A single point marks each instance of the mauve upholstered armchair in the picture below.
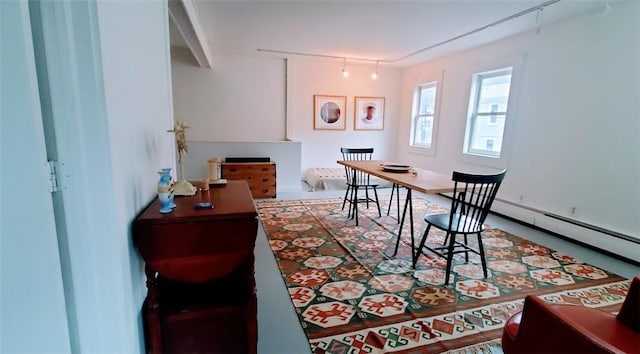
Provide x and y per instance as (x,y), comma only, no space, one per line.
(545,328)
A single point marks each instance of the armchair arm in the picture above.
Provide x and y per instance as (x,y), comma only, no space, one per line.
(630,312)
(545,328)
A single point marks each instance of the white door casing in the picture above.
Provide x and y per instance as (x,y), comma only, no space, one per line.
(33,316)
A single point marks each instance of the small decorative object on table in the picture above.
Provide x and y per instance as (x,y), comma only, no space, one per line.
(215,169)
(214,176)
(203,205)
(182,187)
(204,184)
(165,191)
(396,168)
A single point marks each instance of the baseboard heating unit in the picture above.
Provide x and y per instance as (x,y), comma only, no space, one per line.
(616,244)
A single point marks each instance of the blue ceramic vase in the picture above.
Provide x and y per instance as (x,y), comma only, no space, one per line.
(165,191)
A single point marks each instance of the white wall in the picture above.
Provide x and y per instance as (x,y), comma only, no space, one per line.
(574,119)
(280,105)
(241,98)
(309,77)
(286,155)
(134,42)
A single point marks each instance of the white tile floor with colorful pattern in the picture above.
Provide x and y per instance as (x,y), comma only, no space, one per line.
(279,331)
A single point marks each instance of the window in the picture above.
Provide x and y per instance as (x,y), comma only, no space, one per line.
(422,123)
(487,113)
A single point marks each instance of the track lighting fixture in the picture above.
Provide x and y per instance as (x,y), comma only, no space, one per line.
(537,9)
(538,15)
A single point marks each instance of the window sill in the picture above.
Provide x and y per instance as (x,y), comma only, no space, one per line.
(484,161)
(421,151)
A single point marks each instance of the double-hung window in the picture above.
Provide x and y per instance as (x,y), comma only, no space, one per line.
(423,116)
(487,113)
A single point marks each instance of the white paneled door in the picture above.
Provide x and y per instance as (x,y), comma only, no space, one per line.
(33,317)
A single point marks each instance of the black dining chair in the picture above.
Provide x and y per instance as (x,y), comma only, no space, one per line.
(357,180)
(470,205)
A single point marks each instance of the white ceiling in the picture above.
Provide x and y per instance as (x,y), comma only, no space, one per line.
(376,30)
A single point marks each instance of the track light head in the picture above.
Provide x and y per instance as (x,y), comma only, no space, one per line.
(374,76)
(345,73)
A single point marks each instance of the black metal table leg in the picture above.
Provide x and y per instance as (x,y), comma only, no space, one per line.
(411,221)
(398,200)
(393,187)
(355,198)
(407,203)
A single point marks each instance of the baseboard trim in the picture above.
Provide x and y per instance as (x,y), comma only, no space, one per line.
(569,239)
(572,221)
(289,189)
(594,228)
(542,221)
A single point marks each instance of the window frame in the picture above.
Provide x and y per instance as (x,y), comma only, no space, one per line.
(424,149)
(473,115)
(517,60)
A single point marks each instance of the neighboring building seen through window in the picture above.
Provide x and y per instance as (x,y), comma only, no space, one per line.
(490,144)
(487,113)
(422,123)
(493,119)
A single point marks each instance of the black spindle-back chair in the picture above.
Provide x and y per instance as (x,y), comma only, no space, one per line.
(470,206)
(358,180)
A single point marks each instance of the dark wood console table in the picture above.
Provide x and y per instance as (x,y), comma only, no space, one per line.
(200,273)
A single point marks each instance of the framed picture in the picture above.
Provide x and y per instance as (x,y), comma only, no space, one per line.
(329,112)
(368,113)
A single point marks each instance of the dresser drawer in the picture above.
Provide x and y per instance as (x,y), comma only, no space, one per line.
(263,192)
(248,168)
(261,176)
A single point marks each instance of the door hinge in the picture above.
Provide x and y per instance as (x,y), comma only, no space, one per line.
(54,168)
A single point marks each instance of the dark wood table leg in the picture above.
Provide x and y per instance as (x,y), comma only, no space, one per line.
(252,313)
(152,315)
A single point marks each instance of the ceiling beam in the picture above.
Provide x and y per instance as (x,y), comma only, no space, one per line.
(184,15)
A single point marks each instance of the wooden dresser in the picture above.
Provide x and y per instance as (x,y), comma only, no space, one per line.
(200,273)
(261,176)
